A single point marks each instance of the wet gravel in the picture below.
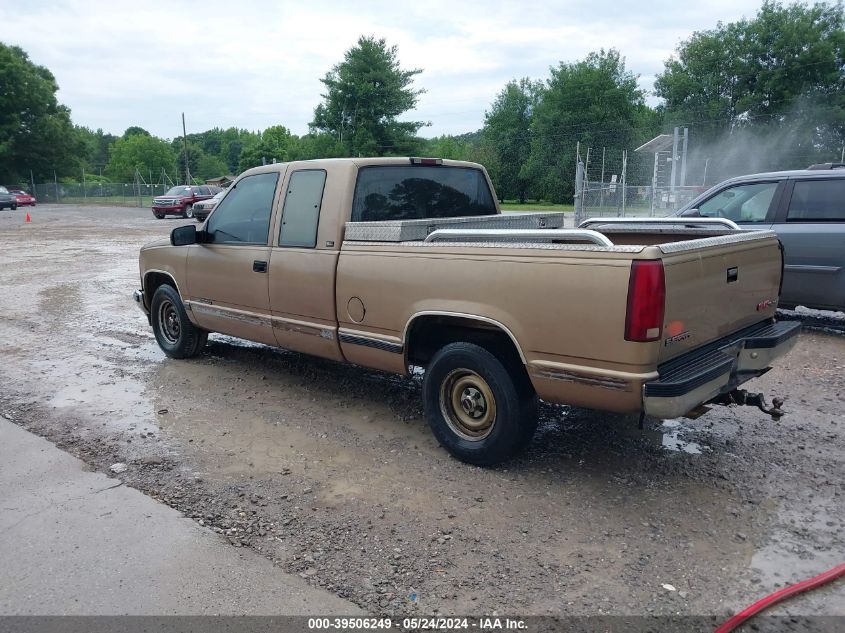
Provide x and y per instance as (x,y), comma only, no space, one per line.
(331,472)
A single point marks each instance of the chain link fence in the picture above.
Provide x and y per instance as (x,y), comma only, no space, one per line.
(635,200)
(99,194)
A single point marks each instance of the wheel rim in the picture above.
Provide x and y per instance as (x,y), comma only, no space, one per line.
(189,211)
(468,404)
(168,322)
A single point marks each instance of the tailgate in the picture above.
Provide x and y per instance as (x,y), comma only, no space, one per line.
(716,287)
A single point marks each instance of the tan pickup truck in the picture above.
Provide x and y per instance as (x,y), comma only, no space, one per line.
(396,263)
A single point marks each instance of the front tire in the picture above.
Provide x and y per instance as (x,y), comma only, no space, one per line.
(188,212)
(176,335)
(481,409)
(14,207)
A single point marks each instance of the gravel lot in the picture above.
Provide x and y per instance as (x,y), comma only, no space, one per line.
(331,472)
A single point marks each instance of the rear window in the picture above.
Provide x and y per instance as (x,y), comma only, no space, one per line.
(817,201)
(414,192)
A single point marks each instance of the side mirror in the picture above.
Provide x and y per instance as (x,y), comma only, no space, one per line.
(183,235)
(691,213)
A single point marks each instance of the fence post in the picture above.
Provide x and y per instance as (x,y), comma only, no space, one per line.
(579,193)
(624,178)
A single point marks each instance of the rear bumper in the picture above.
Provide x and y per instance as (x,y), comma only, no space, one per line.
(719,367)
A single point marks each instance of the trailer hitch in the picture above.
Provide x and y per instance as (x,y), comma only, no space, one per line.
(746,398)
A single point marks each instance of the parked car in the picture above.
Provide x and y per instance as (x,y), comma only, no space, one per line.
(204,207)
(180,200)
(7,200)
(806,208)
(395,263)
(23,198)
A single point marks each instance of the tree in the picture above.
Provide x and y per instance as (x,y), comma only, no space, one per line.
(209,166)
(780,75)
(96,148)
(147,154)
(276,143)
(595,101)
(507,127)
(36,132)
(134,130)
(365,94)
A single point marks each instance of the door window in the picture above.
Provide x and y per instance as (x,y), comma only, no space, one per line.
(301,213)
(817,201)
(742,203)
(243,216)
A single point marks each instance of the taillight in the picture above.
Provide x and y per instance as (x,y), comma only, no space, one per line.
(782,266)
(646,301)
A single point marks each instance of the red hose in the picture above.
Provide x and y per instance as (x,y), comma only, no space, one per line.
(778,596)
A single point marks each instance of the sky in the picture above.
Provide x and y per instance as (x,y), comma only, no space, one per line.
(252,64)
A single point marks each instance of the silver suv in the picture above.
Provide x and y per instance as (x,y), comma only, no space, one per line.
(806,208)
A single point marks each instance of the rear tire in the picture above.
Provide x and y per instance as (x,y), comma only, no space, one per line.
(176,335)
(14,207)
(482,409)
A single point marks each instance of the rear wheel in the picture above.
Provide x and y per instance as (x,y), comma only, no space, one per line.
(481,408)
(14,207)
(188,212)
(176,335)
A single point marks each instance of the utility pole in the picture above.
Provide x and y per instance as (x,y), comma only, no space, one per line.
(185,145)
(84,197)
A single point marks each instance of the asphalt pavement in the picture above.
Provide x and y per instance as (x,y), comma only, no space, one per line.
(76,542)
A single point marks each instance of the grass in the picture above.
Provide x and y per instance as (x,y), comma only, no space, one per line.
(101,201)
(533,206)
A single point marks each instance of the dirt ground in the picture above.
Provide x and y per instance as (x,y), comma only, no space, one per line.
(331,471)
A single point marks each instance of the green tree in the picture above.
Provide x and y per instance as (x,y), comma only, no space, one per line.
(507,127)
(96,148)
(209,166)
(36,132)
(780,74)
(319,146)
(595,101)
(134,130)
(365,94)
(147,154)
(276,143)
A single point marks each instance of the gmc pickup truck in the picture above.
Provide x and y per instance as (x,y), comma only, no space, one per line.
(398,263)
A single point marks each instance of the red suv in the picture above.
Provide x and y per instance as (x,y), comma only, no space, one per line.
(180,200)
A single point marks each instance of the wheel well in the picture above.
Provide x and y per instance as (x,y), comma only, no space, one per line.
(429,333)
(152,281)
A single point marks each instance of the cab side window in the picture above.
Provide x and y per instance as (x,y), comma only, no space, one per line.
(243,216)
(301,213)
(742,203)
(817,201)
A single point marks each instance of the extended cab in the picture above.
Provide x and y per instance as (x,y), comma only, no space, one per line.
(398,263)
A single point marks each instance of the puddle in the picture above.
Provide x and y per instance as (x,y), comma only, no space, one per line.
(670,438)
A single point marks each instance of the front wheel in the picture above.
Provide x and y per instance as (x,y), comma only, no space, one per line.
(188,212)
(14,207)
(481,409)
(176,335)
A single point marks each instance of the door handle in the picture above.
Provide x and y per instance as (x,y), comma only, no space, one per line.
(259,266)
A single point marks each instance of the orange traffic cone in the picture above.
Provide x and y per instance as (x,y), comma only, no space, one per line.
(27,218)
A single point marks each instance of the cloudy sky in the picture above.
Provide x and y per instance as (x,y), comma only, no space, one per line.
(252,64)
